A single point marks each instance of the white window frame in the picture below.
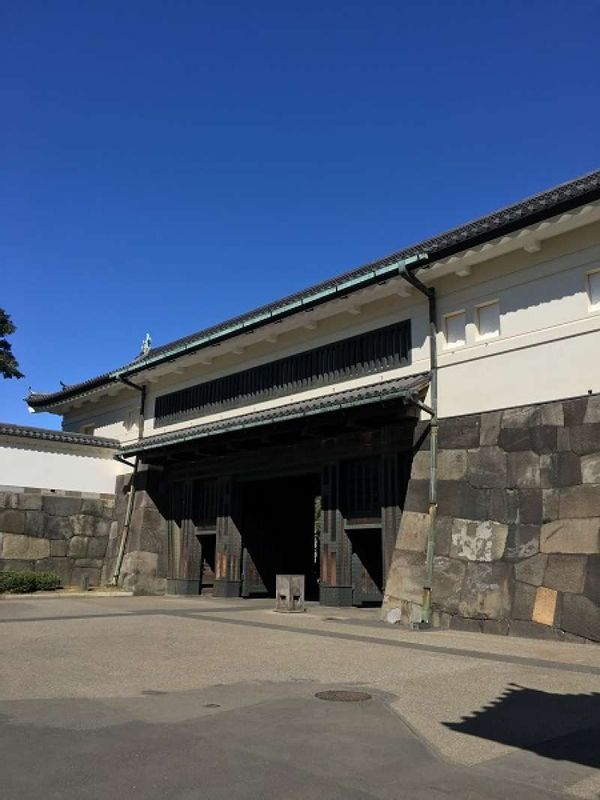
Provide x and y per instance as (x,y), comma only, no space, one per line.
(592,307)
(486,336)
(451,345)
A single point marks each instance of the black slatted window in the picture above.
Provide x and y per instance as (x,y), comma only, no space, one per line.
(371,352)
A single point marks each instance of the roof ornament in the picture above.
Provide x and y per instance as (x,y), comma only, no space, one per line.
(146,344)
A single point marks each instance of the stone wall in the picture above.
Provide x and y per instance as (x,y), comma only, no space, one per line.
(518,534)
(64,532)
(144,566)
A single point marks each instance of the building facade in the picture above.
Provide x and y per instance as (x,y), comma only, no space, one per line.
(421,433)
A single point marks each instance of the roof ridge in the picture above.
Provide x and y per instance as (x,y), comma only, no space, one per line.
(515,215)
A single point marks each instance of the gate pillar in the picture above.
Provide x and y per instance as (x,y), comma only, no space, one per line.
(335,588)
(229,541)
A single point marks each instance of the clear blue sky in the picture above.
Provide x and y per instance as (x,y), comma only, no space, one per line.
(166,165)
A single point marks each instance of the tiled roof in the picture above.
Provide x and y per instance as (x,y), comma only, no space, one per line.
(399,388)
(24,431)
(533,209)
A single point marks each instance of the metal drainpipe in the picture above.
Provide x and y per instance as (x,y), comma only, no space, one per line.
(429,292)
(131,498)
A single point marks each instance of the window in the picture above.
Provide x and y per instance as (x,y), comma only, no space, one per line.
(455,329)
(372,352)
(488,320)
(594,290)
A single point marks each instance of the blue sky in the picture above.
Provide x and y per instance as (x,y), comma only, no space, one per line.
(167,165)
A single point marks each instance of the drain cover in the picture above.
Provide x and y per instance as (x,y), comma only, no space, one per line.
(343,696)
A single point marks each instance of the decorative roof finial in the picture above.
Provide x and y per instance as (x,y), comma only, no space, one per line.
(146,344)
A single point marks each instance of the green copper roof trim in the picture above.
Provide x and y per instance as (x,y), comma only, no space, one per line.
(372,394)
(307,302)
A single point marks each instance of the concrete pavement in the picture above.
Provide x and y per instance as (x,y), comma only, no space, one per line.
(187,698)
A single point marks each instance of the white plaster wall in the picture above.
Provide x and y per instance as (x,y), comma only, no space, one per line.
(69,470)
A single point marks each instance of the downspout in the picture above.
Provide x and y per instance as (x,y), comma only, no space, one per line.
(131,498)
(432,410)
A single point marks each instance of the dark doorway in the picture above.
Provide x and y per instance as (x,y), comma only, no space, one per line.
(208,542)
(279,533)
(367,565)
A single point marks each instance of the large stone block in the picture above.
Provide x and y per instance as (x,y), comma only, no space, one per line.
(530,506)
(9,500)
(523,470)
(585,439)
(443,536)
(61,506)
(18,546)
(97,547)
(574,411)
(490,428)
(452,465)
(63,567)
(571,536)
(523,541)
(414,531)
(95,563)
(580,502)
(550,503)
(544,608)
(78,546)
(590,468)
(34,524)
(460,433)
(520,417)
(561,469)
(531,570)
(406,576)
(12,521)
(579,615)
(523,601)
(478,541)
(448,578)
(417,496)
(552,414)
(487,468)
(139,573)
(460,499)
(420,466)
(93,507)
(86,525)
(592,411)
(504,505)
(592,580)
(486,591)
(148,530)
(563,439)
(566,573)
(30,502)
(543,439)
(58,527)
(515,439)
(58,547)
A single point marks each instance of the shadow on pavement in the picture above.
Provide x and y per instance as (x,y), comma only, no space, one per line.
(564,727)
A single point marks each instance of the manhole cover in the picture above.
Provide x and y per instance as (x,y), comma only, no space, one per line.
(343,696)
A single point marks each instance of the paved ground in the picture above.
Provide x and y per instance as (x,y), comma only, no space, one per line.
(199,698)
